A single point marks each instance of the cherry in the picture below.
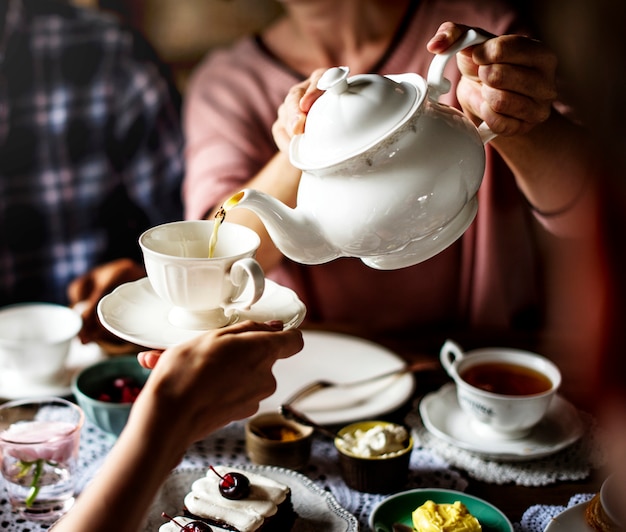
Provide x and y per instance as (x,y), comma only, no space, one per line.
(193,526)
(233,486)
(119,390)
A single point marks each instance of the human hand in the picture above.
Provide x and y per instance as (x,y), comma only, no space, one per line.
(199,386)
(509,82)
(95,284)
(292,112)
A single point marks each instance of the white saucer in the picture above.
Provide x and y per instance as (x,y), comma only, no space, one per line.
(443,417)
(570,520)
(80,356)
(136,314)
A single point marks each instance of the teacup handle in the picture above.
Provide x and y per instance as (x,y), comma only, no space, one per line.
(246,270)
(450,354)
(438,84)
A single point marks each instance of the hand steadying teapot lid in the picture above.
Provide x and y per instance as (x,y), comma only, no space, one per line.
(354,114)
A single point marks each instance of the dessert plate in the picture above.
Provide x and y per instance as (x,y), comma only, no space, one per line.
(443,417)
(399,507)
(570,520)
(79,357)
(340,358)
(317,508)
(135,313)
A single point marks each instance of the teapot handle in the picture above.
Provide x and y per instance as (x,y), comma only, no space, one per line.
(438,85)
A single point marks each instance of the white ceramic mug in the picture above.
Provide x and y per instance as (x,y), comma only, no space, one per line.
(503,414)
(35,341)
(204,292)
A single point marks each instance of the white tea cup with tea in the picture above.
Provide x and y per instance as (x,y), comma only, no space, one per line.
(205,275)
(35,341)
(504,391)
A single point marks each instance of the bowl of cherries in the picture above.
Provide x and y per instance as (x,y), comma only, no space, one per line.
(107,390)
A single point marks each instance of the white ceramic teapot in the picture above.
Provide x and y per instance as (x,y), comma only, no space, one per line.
(389,174)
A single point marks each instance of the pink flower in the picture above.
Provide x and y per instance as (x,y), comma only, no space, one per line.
(52,441)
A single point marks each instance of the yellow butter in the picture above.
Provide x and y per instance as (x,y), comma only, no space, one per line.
(431,517)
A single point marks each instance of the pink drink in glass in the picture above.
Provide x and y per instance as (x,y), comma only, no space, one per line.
(39,456)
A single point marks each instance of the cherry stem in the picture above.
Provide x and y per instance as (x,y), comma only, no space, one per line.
(163,514)
(228,480)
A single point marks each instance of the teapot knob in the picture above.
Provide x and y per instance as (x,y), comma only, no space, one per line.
(335,80)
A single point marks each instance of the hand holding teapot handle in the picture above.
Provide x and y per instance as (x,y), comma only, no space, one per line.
(438,84)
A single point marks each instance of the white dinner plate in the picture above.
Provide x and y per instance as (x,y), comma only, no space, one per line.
(135,313)
(79,357)
(570,520)
(341,358)
(317,508)
(443,417)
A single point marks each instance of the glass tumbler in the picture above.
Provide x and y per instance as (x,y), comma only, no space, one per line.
(39,441)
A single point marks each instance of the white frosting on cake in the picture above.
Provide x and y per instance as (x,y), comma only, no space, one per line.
(246,515)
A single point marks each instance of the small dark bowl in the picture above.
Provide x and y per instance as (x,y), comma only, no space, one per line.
(88,383)
(266,443)
(379,474)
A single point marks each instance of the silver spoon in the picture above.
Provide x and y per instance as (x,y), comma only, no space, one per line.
(290,412)
(315,386)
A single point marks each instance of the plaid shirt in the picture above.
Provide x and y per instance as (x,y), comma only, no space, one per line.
(90,146)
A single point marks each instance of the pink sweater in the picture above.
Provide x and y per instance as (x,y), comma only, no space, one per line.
(488,280)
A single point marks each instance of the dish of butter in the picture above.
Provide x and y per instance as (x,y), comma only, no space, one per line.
(445,517)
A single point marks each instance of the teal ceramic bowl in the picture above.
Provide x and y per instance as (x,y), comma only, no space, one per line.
(89,383)
(399,508)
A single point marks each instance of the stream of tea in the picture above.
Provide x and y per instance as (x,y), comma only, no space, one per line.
(220,215)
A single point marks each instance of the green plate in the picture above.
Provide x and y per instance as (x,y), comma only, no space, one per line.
(399,507)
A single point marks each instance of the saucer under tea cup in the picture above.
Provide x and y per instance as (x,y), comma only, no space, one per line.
(203,279)
(505,392)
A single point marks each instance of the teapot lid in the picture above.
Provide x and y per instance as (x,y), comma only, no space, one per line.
(354,114)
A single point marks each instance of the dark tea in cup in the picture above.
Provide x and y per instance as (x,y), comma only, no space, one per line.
(506,378)
(504,391)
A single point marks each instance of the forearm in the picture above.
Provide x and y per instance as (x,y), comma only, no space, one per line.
(553,167)
(279,179)
(126,484)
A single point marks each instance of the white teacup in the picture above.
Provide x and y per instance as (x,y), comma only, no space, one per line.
(204,292)
(506,392)
(35,341)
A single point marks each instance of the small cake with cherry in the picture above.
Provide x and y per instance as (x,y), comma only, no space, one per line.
(235,500)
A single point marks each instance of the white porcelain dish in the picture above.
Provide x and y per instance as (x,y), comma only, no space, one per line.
(317,508)
(610,498)
(341,358)
(442,416)
(570,520)
(135,313)
(79,357)
(386,169)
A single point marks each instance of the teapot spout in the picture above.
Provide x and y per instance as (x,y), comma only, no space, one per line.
(298,237)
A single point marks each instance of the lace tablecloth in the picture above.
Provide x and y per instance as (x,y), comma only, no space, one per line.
(538,517)
(429,468)
(574,462)
(228,447)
